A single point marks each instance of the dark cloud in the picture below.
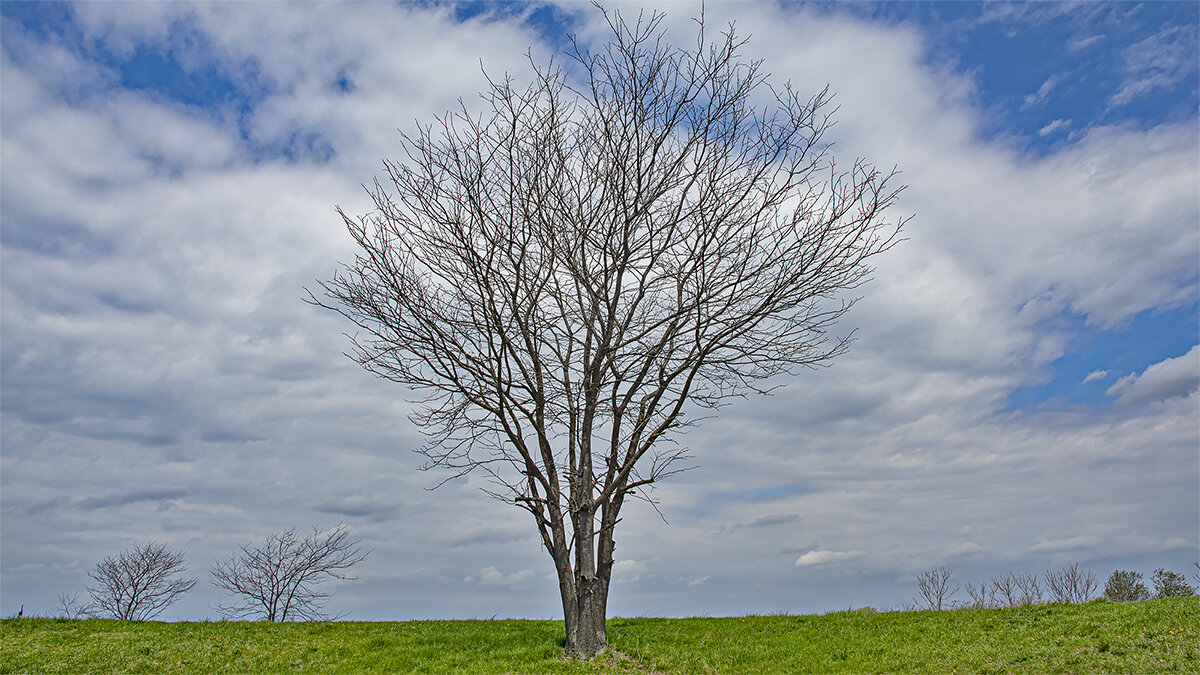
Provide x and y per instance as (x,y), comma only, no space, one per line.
(777,519)
(766,494)
(125,498)
(485,537)
(360,507)
(230,436)
(44,505)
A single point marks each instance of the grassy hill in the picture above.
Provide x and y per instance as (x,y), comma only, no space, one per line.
(1154,636)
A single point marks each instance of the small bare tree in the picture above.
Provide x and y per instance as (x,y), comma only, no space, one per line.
(139,583)
(981,595)
(1030,589)
(1071,584)
(73,607)
(935,588)
(1005,591)
(596,261)
(276,580)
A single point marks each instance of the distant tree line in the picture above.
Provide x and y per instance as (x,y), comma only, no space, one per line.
(275,580)
(1068,585)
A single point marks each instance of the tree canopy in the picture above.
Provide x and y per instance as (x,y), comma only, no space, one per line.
(577,273)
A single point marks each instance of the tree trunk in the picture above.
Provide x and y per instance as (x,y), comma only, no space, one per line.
(585,613)
(584,586)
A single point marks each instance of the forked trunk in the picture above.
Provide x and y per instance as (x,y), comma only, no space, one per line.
(585,612)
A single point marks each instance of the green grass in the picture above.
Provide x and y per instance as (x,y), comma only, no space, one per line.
(1155,636)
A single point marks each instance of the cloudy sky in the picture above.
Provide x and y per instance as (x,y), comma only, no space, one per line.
(1022,394)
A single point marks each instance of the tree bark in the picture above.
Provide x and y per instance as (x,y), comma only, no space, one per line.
(584,586)
(591,635)
(584,611)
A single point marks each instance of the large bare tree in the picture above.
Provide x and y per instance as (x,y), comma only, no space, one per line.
(578,272)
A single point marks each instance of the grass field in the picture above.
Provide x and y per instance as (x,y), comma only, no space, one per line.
(1144,637)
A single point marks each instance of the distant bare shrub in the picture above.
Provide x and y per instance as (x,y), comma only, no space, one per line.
(1005,592)
(1071,585)
(1030,592)
(981,596)
(1125,586)
(934,586)
(72,607)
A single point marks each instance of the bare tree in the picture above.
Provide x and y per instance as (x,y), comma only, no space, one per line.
(1030,589)
(575,275)
(1005,591)
(981,595)
(72,606)
(1071,584)
(1016,590)
(935,589)
(276,580)
(139,583)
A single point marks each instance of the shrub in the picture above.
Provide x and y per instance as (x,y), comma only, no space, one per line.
(71,607)
(1171,585)
(1010,590)
(981,596)
(1030,590)
(1004,590)
(935,589)
(1125,586)
(1071,584)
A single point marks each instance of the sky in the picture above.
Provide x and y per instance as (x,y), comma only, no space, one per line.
(1021,395)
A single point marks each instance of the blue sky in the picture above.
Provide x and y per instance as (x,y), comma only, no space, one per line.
(1022,394)
(1035,63)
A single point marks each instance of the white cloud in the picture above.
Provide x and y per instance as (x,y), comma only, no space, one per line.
(1054,126)
(963,549)
(1096,375)
(1080,44)
(1160,60)
(628,570)
(490,577)
(1170,378)
(1042,93)
(1066,544)
(1016,230)
(825,557)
